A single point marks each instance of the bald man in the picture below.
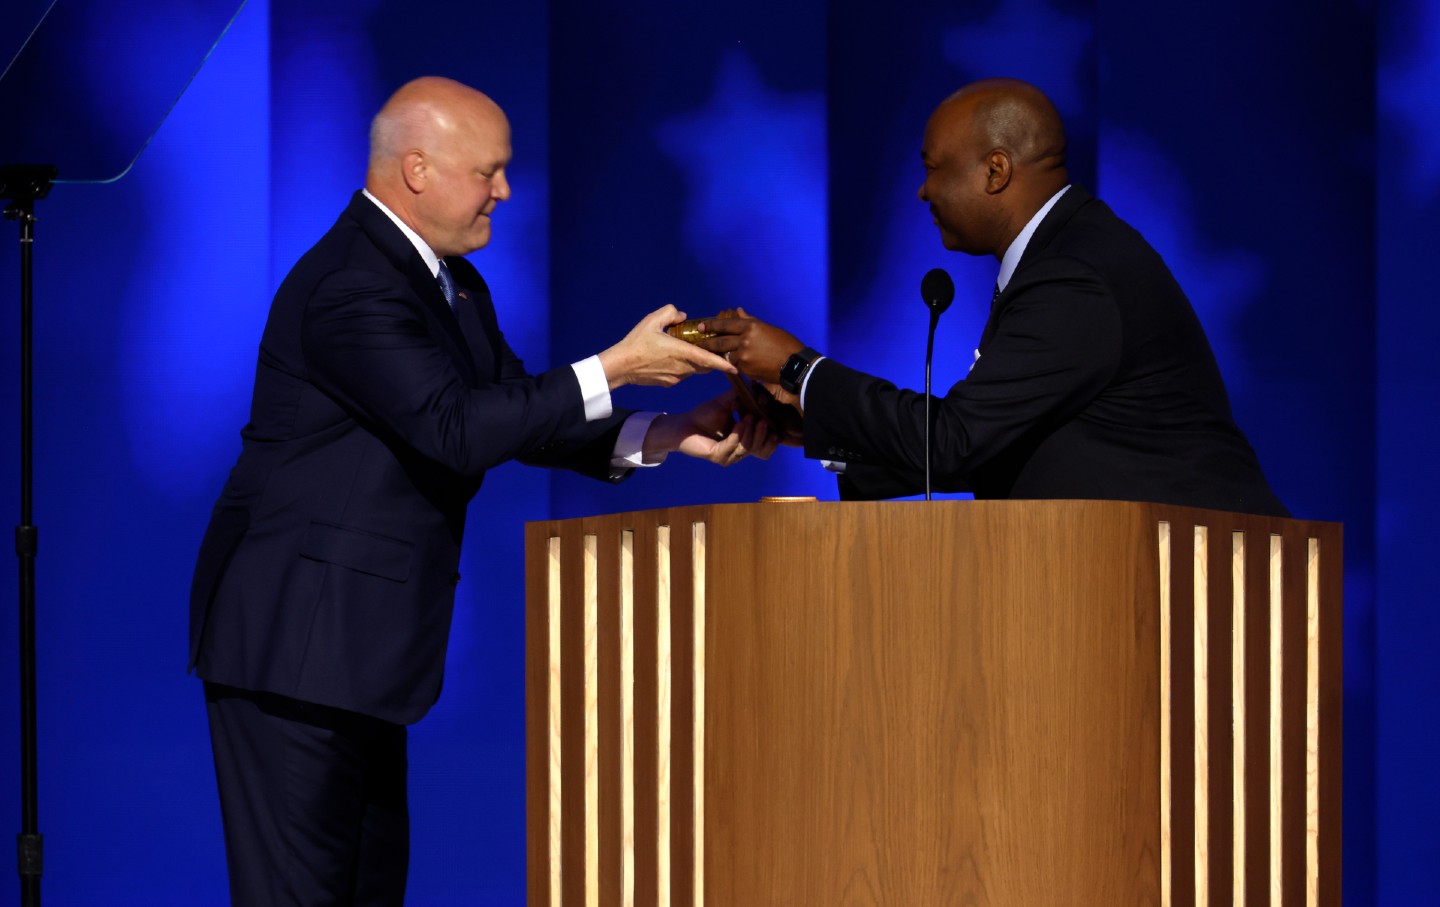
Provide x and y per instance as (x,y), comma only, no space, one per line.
(1094,379)
(322,597)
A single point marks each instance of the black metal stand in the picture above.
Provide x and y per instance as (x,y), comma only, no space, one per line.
(929,423)
(938,290)
(23,186)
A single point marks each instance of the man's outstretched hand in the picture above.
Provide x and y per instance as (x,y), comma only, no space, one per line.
(757,349)
(648,355)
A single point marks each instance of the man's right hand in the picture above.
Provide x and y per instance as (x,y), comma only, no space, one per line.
(756,348)
(648,355)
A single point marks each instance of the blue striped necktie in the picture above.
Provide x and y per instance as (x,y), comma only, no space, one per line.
(447,284)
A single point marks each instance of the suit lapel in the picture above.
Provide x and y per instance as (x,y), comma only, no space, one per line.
(406,259)
(429,289)
(1069,203)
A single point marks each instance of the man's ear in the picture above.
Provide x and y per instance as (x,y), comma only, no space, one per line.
(416,169)
(999,168)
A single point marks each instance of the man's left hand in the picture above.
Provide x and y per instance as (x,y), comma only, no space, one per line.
(710,432)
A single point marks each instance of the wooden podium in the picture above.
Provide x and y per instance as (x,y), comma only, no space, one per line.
(912,704)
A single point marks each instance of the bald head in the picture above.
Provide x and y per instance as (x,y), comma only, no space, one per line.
(994,153)
(438,152)
(1017,117)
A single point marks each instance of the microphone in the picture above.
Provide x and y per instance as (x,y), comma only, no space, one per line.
(938,291)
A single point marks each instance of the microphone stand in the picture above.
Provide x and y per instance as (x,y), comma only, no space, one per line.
(937,289)
(929,355)
(24,185)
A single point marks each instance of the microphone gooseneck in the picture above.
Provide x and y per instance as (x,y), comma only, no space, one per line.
(938,291)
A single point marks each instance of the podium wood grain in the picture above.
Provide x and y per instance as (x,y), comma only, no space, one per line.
(943,704)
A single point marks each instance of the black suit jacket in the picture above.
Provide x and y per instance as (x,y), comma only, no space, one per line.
(1095,381)
(329,567)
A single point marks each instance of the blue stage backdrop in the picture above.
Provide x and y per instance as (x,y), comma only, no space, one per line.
(1284,161)
(1403,680)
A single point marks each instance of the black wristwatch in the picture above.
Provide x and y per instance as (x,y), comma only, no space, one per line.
(792,373)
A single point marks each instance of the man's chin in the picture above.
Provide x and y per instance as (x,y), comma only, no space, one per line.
(953,243)
(480,238)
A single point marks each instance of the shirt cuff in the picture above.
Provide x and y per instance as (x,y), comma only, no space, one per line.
(835,466)
(630,445)
(594,388)
(805,383)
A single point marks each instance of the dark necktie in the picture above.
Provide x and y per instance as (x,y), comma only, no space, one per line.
(447,285)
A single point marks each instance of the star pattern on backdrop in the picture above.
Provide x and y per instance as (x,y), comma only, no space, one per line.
(753,160)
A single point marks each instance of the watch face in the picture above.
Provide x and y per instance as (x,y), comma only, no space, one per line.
(794,369)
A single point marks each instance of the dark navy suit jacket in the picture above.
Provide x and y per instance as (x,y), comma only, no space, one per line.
(1095,381)
(328,570)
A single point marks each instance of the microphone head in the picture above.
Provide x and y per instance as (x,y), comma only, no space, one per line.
(937,289)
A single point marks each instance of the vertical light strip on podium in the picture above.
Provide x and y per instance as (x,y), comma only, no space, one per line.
(552,648)
(627,718)
(1277,716)
(1237,711)
(1167,843)
(591,597)
(663,661)
(1312,723)
(697,541)
(1200,604)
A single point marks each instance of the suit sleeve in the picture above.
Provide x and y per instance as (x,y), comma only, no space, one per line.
(585,447)
(368,345)
(1052,347)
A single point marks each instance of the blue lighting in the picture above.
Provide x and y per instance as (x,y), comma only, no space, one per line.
(754,164)
(1410,97)
(1030,40)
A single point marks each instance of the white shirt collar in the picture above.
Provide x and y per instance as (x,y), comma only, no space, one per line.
(1012,256)
(432,261)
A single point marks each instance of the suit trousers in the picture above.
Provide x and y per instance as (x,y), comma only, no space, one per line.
(313,800)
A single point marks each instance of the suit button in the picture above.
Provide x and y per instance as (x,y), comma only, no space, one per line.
(455,580)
